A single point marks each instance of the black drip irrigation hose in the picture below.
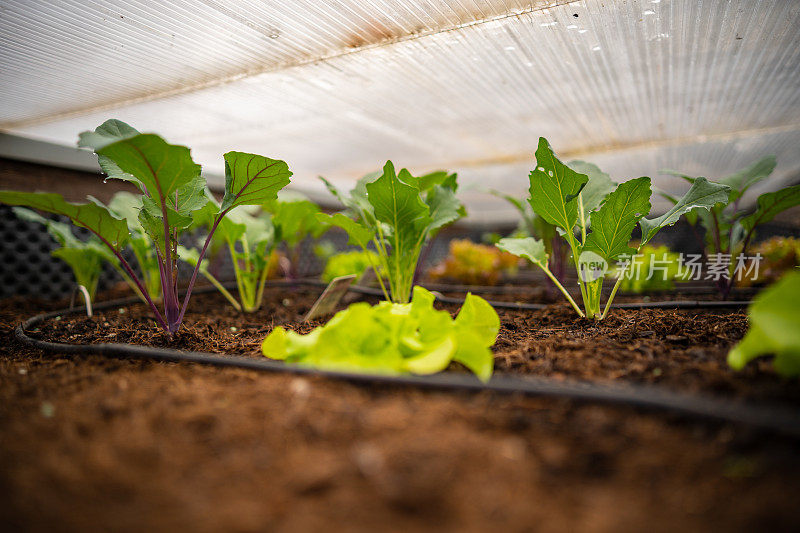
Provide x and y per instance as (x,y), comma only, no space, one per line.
(778,419)
(676,304)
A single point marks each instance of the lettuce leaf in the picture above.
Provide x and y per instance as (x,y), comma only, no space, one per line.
(774,328)
(393,339)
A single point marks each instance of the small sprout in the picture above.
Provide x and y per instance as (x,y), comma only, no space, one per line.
(234,329)
(122,310)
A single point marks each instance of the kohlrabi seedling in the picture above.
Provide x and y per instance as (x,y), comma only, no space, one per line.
(172,189)
(577,202)
(397,214)
(249,236)
(730,229)
(295,218)
(85,258)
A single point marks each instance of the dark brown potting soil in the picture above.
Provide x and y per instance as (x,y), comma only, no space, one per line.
(88,443)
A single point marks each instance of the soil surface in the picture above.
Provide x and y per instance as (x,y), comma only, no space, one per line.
(88,443)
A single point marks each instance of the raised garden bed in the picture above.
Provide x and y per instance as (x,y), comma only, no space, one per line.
(90,441)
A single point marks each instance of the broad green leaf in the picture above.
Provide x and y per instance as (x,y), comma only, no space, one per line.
(158,168)
(359,198)
(86,265)
(296,220)
(441,178)
(770,204)
(359,234)
(742,180)
(277,344)
(399,205)
(432,359)
(473,355)
(126,205)
(252,179)
(703,194)
(356,202)
(527,247)
(691,216)
(95,218)
(554,188)
(153,227)
(406,177)
(445,208)
(175,218)
(613,223)
(597,188)
(421,300)
(480,318)
(774,328)
(108,132)
(191,196)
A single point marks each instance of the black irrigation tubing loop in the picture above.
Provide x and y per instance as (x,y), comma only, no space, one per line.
(771,418)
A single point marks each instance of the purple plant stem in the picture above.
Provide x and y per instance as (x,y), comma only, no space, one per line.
(136,280)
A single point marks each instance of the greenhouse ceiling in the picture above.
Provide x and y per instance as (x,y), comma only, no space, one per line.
(335,88)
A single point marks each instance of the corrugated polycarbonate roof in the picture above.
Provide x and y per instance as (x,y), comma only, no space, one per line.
(336,88)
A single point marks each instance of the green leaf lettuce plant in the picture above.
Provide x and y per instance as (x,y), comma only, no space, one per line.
(172,189)
(597,225)
(391,338)
(774,328)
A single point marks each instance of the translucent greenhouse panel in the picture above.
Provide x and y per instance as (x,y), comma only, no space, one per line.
(70,55)
(634,86)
